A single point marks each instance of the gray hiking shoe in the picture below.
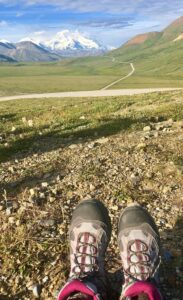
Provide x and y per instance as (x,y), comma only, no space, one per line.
(139,245)
(89,234)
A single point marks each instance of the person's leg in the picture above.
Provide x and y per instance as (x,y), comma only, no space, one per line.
(139,245)
(89,236)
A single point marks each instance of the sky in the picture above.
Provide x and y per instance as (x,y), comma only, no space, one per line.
(111,23)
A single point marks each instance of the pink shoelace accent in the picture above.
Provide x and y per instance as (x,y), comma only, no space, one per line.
(86,254)
(140,264)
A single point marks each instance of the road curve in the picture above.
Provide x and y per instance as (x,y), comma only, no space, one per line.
(122,78)
(98,93)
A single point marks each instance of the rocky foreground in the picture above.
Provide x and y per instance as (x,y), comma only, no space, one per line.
(39,193)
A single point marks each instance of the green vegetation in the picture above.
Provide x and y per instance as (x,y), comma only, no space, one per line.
(70,75)
(41,125)
(157,63)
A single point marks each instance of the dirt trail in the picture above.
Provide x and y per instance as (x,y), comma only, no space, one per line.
(122,78)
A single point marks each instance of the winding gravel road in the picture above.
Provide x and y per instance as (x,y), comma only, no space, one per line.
(98,93)
(122,78)
(104,92)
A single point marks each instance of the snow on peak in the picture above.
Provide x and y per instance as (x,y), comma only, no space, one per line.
(4,41)
(67,40)
(27,39)
(64,41)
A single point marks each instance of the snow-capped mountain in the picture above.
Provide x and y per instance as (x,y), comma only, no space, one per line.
(67,40)
(68,43)
(64,44)
(6,44)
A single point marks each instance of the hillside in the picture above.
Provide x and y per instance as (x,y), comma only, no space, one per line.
(4,58)
(156,54)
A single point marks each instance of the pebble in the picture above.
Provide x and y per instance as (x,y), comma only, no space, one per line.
(13,129)
(32,192)
(36,289)
(147,128)
(9,211)
(47,223)
(73,146)
(45,279)
(141,146)
(30,123)
(11,220)
(102,140)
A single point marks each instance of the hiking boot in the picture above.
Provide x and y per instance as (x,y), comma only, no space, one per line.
(89,235)
(139,245)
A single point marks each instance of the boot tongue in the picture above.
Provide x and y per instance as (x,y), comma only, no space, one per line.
(79,296)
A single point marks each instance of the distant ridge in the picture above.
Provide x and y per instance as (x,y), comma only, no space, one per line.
(64,44)
(156,54)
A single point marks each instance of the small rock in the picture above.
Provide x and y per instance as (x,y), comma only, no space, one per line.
(11,220)
(30,123)
(51,199)
(115,208)
(18,223)
(36,289)
(166,189)
(92,145)
(47,223)
(102,140)
(73,146)
(45,279)
(24,120)
(141,146)
(13,129)
(134,179)
(156,134)
(147,128)
(82,118)
(11,169)
(44,184)
(42,195)
(32,192)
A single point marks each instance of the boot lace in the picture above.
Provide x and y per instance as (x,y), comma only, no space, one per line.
(141,263)
(86,255)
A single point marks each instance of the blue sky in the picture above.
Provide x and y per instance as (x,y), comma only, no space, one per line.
(109,22)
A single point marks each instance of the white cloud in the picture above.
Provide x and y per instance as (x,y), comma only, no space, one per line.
(37,33)
(114,6)
(19,14)
(3,23)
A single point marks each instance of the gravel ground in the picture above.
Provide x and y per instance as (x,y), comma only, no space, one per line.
(36,204)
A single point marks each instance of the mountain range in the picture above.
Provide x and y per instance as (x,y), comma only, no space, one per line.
(152,51)
(64,44)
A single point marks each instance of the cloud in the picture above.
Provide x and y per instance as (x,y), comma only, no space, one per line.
(110,23)
(115,6)
(19,14)
(3,23)
(37,33)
